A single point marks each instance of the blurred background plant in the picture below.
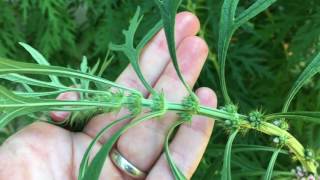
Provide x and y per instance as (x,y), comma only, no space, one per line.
(266,56)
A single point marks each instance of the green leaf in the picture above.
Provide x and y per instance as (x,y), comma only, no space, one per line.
(312,69)
(229,23)
(168,10)
(38,57)
(9,100)
(107,61)
(30,81)
(226,31)
(226,169)
(238,148)
(312,117)
(84,68)
(174,169)
(8,66)
(256,8)
(94,169)
(268,174)
(7,114)
(151,33)
(133,53)
(85,158)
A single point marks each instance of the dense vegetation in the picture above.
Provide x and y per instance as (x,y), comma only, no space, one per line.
(266,56)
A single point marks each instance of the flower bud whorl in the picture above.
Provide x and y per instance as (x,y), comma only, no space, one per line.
(255,118)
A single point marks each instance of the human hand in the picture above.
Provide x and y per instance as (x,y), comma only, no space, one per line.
(44,151)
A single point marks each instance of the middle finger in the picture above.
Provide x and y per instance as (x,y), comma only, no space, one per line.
(143,144)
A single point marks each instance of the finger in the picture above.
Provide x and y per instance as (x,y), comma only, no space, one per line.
(149,136)
(190,142)
(153,60)
(59,116)
(155,55)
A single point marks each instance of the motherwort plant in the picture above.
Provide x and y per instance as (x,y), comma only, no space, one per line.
(98,95)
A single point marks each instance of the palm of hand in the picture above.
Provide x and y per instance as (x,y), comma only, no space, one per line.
(42,151)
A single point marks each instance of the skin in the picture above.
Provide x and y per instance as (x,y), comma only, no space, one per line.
(44,151)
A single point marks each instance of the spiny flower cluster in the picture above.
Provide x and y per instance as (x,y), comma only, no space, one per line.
(235,121)
(255,118)
(159,103)
(134,104)
(281,123)
(191,106)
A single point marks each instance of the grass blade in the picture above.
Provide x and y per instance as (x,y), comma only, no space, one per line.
(312,69)
(226,169)
(269,172)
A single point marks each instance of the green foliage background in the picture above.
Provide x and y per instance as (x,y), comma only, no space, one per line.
(265,57)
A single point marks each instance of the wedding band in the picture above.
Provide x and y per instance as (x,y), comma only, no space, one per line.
(124,165)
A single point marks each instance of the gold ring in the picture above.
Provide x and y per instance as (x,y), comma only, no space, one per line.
(124,165)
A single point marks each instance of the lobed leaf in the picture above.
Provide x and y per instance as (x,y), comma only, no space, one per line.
(229,23)
(168,10)
(133,53)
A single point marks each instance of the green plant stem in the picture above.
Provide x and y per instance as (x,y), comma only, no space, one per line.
(267,128)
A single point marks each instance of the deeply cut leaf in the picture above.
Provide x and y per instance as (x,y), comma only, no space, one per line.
(168,10)
(132,52)
(229,23)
